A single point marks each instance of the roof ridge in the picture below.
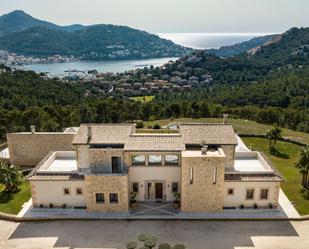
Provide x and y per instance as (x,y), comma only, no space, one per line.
(155,135)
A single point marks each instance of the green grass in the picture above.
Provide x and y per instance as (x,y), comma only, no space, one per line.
(240,126)
(285,163)
(12,202)
(143,99)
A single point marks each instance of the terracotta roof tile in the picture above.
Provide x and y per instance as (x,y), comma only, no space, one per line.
(55,177)
(104,133)
(154,142)
(230,177)
(208,133)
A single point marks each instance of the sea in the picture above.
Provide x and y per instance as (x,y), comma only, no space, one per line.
(193,40)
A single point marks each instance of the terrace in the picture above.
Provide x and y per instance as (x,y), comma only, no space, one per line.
(59,162)
(250,162)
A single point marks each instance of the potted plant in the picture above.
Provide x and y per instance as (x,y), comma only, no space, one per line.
(133,199)
(177,199)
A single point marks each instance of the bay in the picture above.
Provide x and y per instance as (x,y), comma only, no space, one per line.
(193,40)
(100,66)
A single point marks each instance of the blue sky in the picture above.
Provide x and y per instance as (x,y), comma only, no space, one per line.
(261,16)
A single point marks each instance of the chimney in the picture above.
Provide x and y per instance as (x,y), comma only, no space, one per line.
(32,128)
(204,149)
(89,132)
(225,118)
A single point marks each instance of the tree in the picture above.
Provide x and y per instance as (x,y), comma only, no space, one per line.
(303,165)
(273,135)
(10,177)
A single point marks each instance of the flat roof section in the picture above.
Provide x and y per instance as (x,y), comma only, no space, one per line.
(59,162)
(198,153)
(63,164)
(248,164)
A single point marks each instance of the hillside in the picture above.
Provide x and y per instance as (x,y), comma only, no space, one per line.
(19,20)
(291,51)
(33,37)
(21,89)
(242,47)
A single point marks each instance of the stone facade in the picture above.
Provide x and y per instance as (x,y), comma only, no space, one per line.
(229,151)
(28,149)
(203,194)
(107,184)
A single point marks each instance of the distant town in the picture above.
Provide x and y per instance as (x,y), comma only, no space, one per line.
(13,59)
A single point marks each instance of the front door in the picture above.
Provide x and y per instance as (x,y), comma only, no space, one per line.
(159,190)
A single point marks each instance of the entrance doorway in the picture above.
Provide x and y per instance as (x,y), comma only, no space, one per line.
(154,191)
(159,190)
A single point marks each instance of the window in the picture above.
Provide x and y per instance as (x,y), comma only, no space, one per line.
(135,187)
(174,187)
(113,198)
(230,191)
(99,197)
(138,160)
(66,191)
(191,175)
(171,159)
(250,194)
(155,160)
(215,176)
(264,194)
(79,191)
(116,164)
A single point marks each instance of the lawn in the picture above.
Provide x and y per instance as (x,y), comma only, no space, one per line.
(240,126)
(12,203)
(143,99)
(285,163)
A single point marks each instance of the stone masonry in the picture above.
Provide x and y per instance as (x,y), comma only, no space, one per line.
(107,184)
(28,149)
(203,194)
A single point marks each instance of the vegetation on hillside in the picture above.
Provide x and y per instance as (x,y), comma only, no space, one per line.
(97,42)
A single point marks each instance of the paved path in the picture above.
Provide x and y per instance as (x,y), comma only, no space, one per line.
(165,211)
(194,234)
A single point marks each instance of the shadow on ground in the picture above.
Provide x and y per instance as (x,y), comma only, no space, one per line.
(115,234)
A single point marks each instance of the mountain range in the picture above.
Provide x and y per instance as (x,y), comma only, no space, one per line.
(22,34)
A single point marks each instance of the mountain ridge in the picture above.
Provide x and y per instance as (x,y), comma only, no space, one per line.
(23,34)
(19,20)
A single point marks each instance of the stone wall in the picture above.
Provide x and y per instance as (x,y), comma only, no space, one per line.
(101,159)
(107,184)
(229,151)
(203,194)
(28,149)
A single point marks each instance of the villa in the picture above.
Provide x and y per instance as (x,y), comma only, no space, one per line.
(98,167)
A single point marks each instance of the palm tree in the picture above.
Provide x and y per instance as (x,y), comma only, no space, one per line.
(10,177)
(303,165)
(273,135)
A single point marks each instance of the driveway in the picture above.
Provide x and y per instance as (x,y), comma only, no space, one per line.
(194,234)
